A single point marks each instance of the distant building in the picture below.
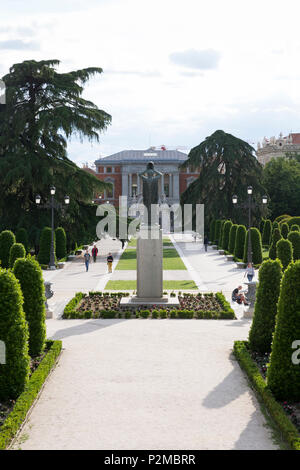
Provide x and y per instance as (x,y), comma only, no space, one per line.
(273,148)
(122,169)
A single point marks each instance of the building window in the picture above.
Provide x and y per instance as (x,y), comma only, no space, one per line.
(166,189)
(108,169)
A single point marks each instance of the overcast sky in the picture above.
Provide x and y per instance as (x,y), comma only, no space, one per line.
(174,71)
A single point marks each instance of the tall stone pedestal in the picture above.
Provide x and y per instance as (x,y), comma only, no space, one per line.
(251,297)
(149,263)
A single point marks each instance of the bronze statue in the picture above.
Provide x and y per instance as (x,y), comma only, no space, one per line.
(150,179)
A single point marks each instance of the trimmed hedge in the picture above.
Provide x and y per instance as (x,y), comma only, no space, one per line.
(288,430)
(61,243)
(293,220)
(275,225)
(29,274)
(232,236)
(256,245)
(283,375)
(284,230)
(281,217)
(226,230)
(212,230)
(24,402)
(265,309)
(276,236)
(284,251)
(22,237)
(221,233)
(267,232)
(261,226)
(45,246)
(14,374)
(294,238)
(295,228)
(17,250)
(7,239)
(240,241)
(217,231)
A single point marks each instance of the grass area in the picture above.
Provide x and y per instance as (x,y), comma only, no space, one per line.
(167,285)
(265,253)
(166,242)
(171,260)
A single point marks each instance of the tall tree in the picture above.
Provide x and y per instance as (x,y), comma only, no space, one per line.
(43,109)
(227,166)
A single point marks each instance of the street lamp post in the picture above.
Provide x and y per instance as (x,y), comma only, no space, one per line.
(53,204)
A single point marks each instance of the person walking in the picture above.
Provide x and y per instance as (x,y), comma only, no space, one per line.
(205,242)
(109,262)
(250,272)
(87,258)
(94,253)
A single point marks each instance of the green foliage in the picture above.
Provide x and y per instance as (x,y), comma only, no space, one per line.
(275,225)
(30,276)
(24,402)
(257,256)
(218,231)
(267,233)
(16,251)
(7,239)
(281,217)
(284,374)
(284,251)
(212,230)
(265,310)
(261,226)
(45,245)
(295,228)
(22,237)
(292,221)
(294,238)
(288,430)
(14,374)
(226,230)
(61,243)
(276,236)
(240,241)
(284,230)
(232,236)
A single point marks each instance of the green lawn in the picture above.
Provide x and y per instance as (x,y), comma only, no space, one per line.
(166,242)
(171,260)
(167,285)
(265,253)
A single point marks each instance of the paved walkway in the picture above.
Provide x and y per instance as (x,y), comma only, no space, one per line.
(149,384)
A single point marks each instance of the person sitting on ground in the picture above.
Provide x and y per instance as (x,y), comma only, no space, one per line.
(109,262)
(237,297)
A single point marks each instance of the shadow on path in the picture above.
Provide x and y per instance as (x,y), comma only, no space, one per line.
(84,328)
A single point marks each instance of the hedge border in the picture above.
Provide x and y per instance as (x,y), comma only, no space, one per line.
(288,430)
(23,404)
(70,312)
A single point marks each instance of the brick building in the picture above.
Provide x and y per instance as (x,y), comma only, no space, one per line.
(122,169)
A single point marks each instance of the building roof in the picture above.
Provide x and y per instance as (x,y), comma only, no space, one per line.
(144,156)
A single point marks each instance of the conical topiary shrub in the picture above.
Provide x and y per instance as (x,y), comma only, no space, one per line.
(275,225)
(45,245)
(295,228)
(266,236)
(294,238)
(257,256)
(240,242)
(284,230)
(218,231)
(17,250)
(61,243)
(226,231)
(22,237)
(30,276)
(284,251)
(7,239)
(14,374)
(212,229)
(265,310)
(276,236)
(283,376)
(261,226)
(221,233)
(232,236)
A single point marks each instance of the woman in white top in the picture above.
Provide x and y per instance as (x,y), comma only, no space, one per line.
(250,272)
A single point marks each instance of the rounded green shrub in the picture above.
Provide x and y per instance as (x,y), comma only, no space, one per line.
(212,229)
(218,231)
(292,221)
(256,245)
(45,245)
(284,230)
(266,236)
(240,241)
(283,375)
(17,250)
(61,243)
(220,243)
(7,239)
(295,228)
(276,236)
(284,251)
(261,226)
(275,225)
(294,238)
(226,230)
(14,374)
(29,274)
(232,236)
(281,217)
(22,237)
(265,309)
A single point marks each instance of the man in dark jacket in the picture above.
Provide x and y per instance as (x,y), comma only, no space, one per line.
(94,253)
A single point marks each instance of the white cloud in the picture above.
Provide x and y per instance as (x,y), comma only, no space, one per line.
(203,60)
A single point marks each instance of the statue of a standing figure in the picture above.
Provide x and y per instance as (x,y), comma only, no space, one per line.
(150,179)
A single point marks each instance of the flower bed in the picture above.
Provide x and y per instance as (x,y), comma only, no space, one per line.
(284,414)
(13,413)
(107,305)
